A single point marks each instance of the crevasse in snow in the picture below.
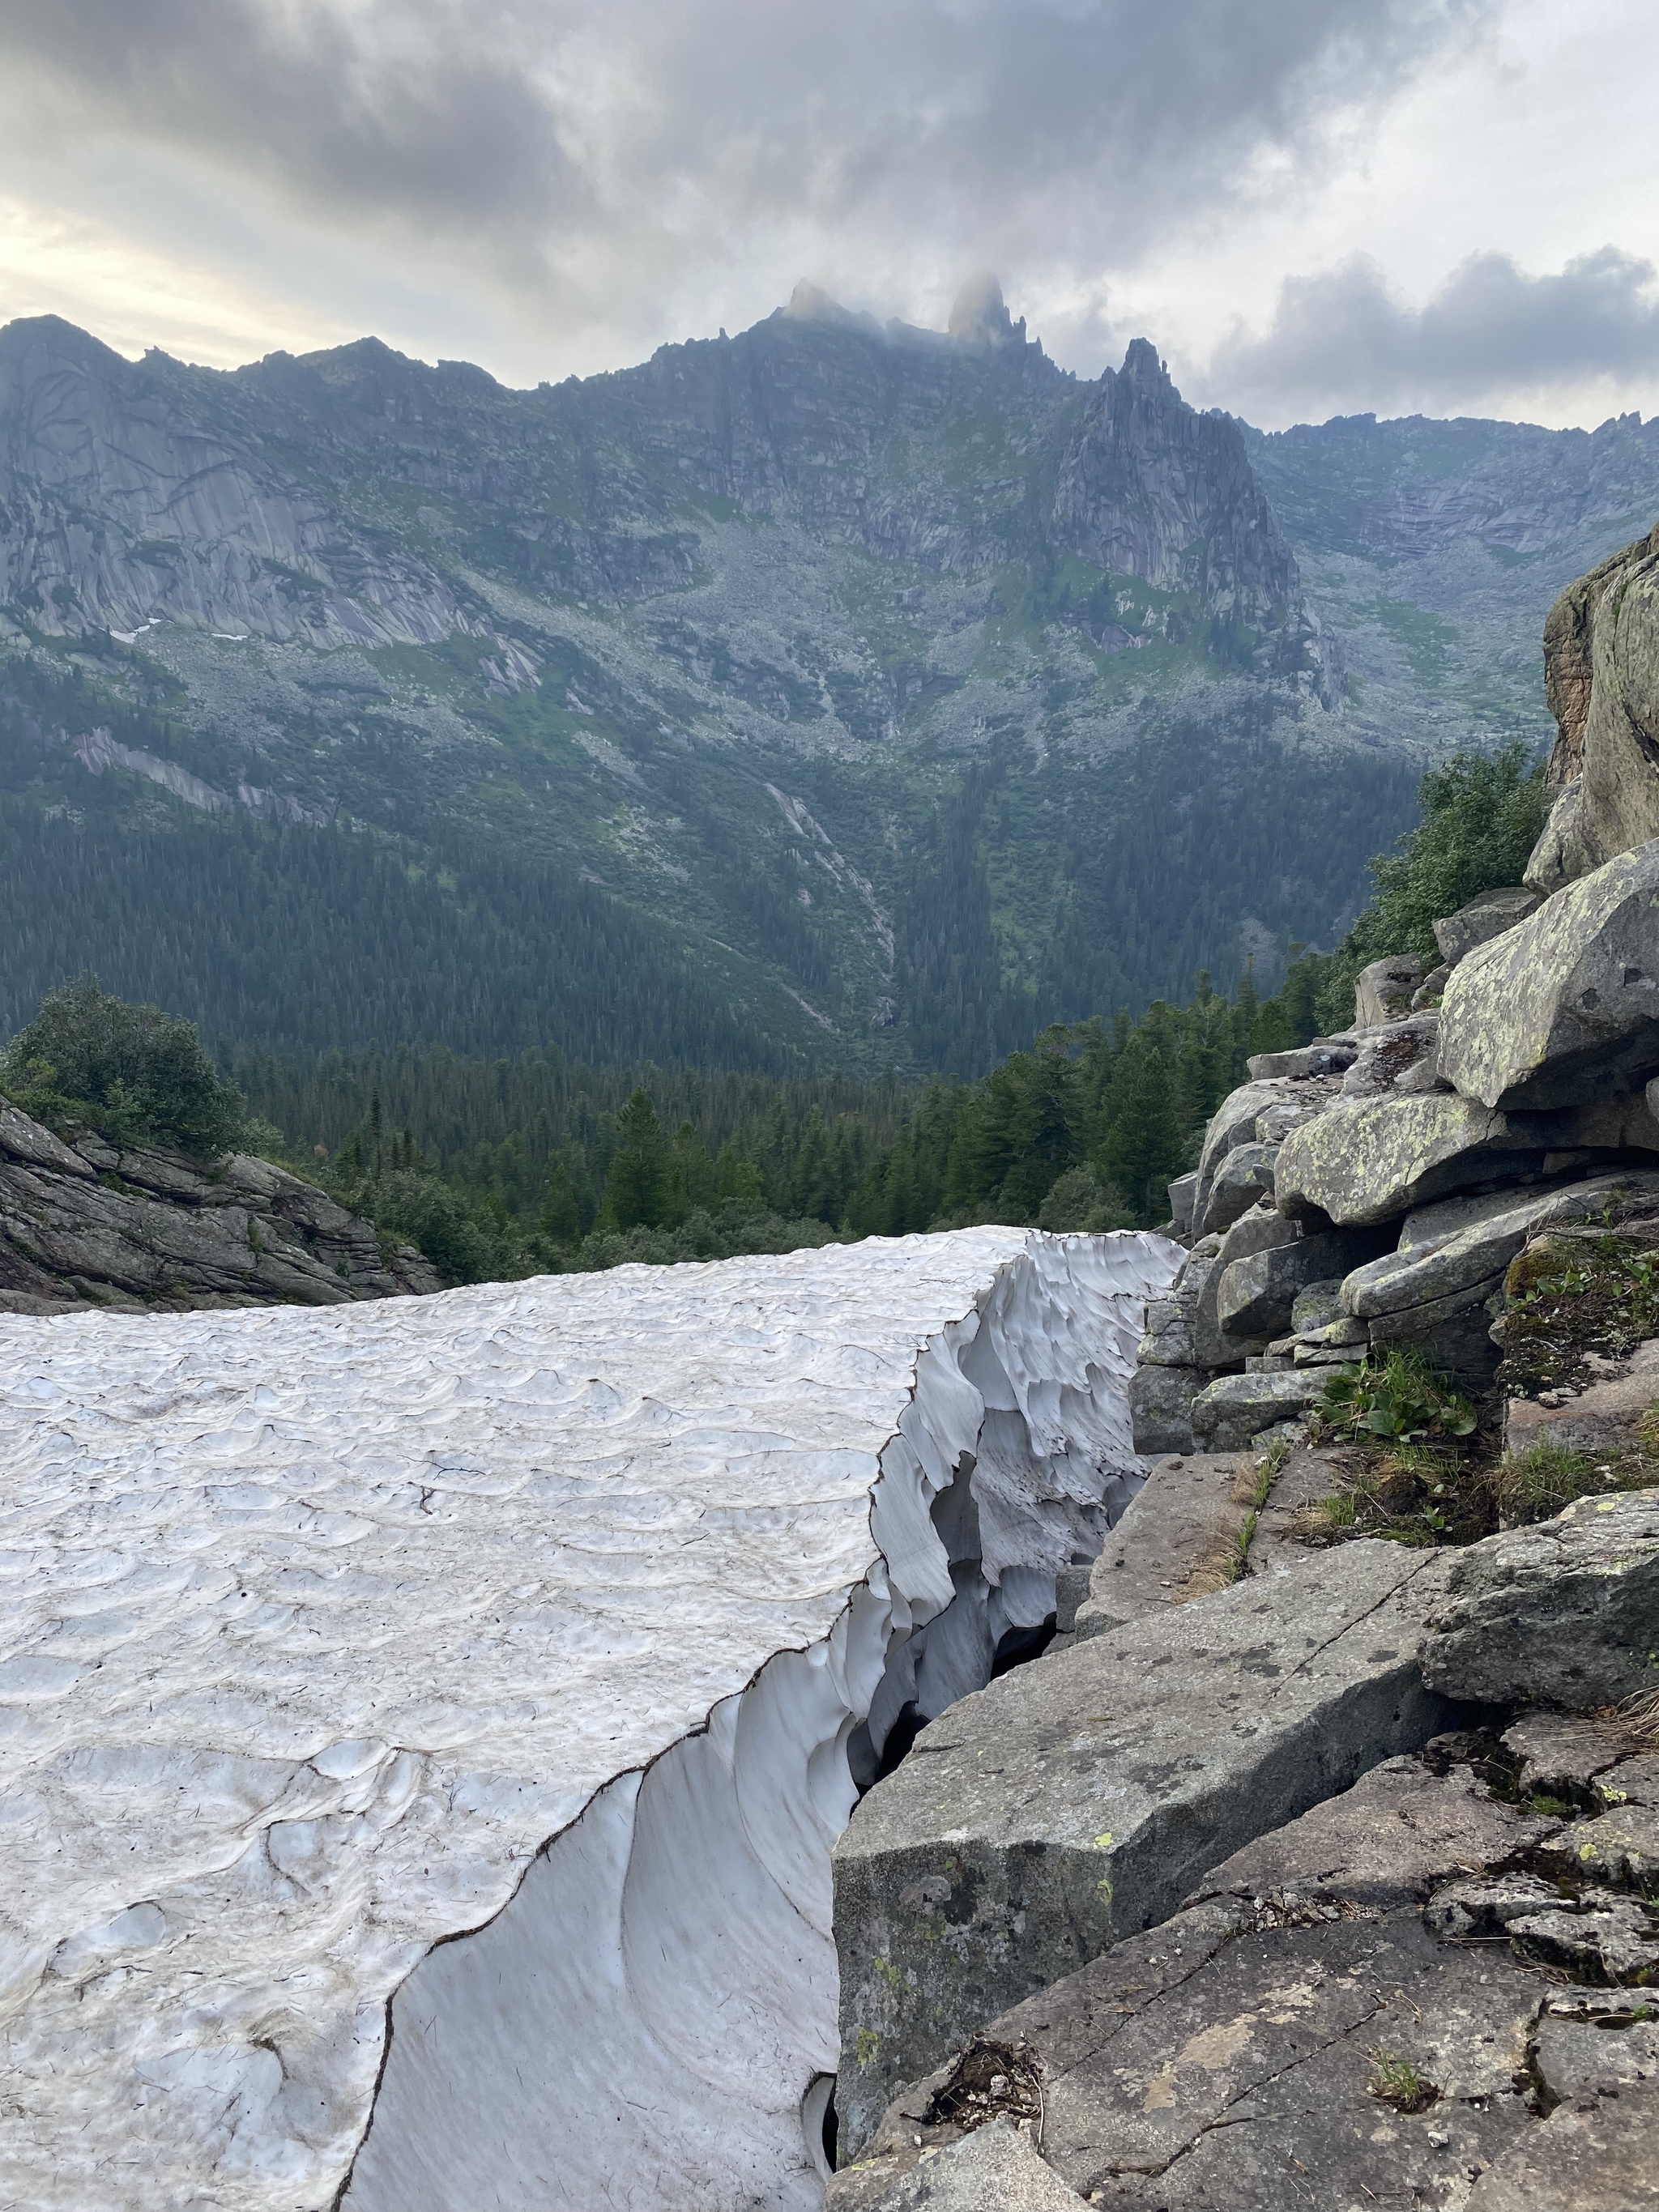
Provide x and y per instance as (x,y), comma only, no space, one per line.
(423,1727)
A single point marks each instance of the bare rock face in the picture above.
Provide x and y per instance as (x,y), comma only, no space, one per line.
(1376,2003)
(1075,1801)
(1563,1009)
(1384,989)
(133,1228)
(1602,679)
(1566,1614)
(1369,1160)
(1481,919)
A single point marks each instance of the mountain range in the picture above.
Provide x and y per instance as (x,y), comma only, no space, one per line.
(837,695)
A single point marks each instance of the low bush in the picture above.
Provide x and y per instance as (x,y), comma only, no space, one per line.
(133,1073)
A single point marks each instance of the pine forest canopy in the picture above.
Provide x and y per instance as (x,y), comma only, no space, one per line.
(511,1166)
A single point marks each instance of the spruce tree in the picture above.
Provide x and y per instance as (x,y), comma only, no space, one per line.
(636,1190)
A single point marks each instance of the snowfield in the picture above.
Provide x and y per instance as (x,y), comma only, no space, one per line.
(424,1724)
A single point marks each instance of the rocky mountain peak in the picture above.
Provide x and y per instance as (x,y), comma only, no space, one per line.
(980,315)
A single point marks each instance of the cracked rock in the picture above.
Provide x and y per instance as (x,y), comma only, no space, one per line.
(1072,1802)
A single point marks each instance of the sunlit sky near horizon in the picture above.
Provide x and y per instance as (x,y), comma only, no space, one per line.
(1311,206)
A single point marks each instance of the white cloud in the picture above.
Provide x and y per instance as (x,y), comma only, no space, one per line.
(1341,342)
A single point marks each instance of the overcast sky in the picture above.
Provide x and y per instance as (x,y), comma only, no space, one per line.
(1311,206)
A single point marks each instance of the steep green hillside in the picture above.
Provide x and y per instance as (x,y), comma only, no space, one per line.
(830,696)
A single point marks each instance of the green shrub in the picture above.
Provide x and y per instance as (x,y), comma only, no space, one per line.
(134,1074)
(1402,1401)
(1083,1198)
(1482,814)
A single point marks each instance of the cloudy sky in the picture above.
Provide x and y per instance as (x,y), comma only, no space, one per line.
(1311,206)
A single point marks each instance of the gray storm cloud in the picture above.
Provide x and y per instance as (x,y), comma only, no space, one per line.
(598,152)
(1339,341)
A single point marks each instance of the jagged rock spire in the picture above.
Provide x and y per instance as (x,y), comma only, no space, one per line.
(980,316)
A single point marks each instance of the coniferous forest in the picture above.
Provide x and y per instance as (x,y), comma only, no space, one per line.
(537,1160)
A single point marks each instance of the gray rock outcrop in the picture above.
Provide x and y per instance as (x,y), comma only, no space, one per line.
(1601,681)
(1566,1614)
(1563,1008)
(1072,1802)
(1315,2026)
(133,1228)
(1481,919)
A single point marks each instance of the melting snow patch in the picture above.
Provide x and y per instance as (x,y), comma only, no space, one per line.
(424,1726)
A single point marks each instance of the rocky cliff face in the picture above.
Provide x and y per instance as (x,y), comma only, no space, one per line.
(153,492)
(1032,655)
(133,1230)
(1601,678)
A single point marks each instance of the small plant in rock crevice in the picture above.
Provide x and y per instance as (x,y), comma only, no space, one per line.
(1541,1481)
(1572,1294)
(1395,2080)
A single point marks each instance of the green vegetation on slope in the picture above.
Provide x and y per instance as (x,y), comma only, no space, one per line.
(504,1167)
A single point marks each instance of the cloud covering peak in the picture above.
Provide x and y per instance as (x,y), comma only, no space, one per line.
(559,184)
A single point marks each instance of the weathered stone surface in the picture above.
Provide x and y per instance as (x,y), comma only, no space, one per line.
(1564,1614)
(1257,1295)
(89,1225)
(1602,1420)
(1481,919)
(1574,2055)
(1236,1121)
(1620,1847)
(1601,677)
(1229,1411)
(1183,1191)
(1561,1753)
(1453,1334)
(1245,1176)
(1399,1058)
(1317,1304)
(1324,1056)
(1164,1549)
(997,2168)
(1594,2153)
(1309,1475)
(1167,1339)
(1229,2060)
(1160,1408)
(1565,849)
(1077,1800)
(1383,990)
(1564,1008)
(1370,1160)
(1481,1248)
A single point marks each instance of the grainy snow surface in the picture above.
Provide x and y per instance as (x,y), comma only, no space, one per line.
(325,1637)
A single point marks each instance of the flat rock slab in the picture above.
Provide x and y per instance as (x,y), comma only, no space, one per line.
(1077,1799)
(422,1723)
(1598,2153)
(1600,1421)
(1566,1614)
(997,2168)
(1184,1515)
(1231,2060)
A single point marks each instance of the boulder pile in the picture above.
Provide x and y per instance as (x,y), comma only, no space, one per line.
(1294,1875)
(1367,1191)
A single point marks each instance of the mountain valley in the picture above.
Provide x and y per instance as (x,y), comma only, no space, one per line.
(837,695)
